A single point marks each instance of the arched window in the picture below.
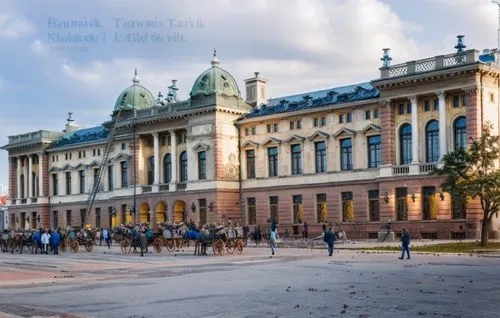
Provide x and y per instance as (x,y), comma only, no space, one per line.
(432,141)
(405,144)
(460,131)
(167,168)
(151,170)
(184,166)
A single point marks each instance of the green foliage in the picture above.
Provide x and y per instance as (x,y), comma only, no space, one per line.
(472,174)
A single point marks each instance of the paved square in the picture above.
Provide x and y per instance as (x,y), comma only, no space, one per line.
(294,283)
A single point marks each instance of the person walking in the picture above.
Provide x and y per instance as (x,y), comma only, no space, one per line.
(273,237)
(56,241)
(405,240)
(329,238)
(45,242)
(305,231)
(246,230)
(143,241)
(106,236)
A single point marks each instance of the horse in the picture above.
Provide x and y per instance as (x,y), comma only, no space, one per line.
(120,233)
(16,241)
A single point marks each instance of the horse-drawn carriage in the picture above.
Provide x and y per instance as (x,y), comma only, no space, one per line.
(129,241)
(223,240)
(17,241)
(73,240)
(172,238)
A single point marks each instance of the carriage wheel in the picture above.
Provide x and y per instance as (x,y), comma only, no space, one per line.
(89,245)
(218,247)
(74,246)
(125,246)
(238,246)
(170,245)
(230,247)
(158,245)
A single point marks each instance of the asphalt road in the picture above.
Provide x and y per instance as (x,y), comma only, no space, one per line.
(294,283)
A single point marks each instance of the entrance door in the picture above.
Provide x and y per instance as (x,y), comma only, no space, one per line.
(179,211)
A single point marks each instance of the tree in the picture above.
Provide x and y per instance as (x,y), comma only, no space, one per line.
(472,174)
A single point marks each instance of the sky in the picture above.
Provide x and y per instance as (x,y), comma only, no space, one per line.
(49,66)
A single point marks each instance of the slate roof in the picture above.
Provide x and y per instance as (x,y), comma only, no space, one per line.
(331,96)
(83,135)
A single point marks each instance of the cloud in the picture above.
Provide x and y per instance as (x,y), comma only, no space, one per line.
(13,25)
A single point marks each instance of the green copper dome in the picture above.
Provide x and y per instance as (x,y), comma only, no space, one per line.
(134,97)
(215,80)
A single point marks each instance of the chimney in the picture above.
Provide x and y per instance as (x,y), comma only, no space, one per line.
(256,91)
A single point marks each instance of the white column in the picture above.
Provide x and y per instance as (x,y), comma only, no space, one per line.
(29,178)
(40,175)
(442,124)
(173,154)
(414,128)
(156,144)
(18,177)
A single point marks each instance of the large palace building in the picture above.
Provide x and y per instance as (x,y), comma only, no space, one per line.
(358,155)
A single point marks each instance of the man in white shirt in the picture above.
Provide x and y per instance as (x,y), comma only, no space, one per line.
(45,241)
(273,237)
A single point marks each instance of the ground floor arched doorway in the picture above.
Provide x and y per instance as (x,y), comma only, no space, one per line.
(161,210)
(144,213)
(179,211)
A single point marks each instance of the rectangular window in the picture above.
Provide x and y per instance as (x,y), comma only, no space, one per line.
(69,218)
(55,219)
(272,154)
(203,210)
(427,106)
(163,140)
(346,154)
(254,131)
(110,178)
(373,205)
(456,101)
(123,213)
(463,100)
(202,165)
(55,184)
(93,152)
(250,164)
(124,174)
(374,156)
(402,204)
(316,122)
(81,180)
(321,208)
(323,121)
(375,113)
(409,108)
(268,126)
(79,155)
(66,156)
(299,124)
(70,156)
(83,213)
(273,209)
(68,182)
(436,104)
(296,159)
(458,207)
(349,117)
(401,109)
(246,132)
(96,178)
(297,209)
(341,118)
(252,211)
(98,217)
(429,203)
(347,207)
(275,127)
(368,115)
(292,125)
(320,155)
(492,98)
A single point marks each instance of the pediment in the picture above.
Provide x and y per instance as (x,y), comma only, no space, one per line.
(272,140)
(250,143)
(93,163)
(296,138)
(319,135)
(54,169)
(201,147)
(344,131)
(122,156)
(80,166)
(66,167)
(371,127)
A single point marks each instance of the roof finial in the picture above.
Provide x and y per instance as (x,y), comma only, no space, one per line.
(215,60)
(135,79)
(70,119)
(386,59)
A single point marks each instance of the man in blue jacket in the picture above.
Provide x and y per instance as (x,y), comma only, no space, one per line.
(329,238)
(405,240)
(56,240)
(38,240)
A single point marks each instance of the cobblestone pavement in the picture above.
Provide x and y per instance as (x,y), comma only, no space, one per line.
(293,283)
